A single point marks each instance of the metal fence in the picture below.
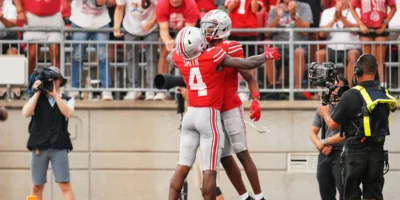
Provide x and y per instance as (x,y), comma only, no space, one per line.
(122,66)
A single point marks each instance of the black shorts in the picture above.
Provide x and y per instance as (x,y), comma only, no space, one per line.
(6,46)
(111,11)
(373,33)
(337,56)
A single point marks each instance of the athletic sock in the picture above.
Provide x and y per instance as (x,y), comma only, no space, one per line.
(244,196)
(259,196)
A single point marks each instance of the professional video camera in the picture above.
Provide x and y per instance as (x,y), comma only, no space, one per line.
(47,77)
(324,75)
(166,82)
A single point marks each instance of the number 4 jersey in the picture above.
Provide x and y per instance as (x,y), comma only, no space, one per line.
(204,77)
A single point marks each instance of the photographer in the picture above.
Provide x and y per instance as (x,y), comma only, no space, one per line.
(49,138)
(330,146)
(363,114)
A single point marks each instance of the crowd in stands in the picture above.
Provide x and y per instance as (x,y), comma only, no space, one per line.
(159,20)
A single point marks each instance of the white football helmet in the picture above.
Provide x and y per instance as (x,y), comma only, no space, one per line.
(216,24)
(190,43)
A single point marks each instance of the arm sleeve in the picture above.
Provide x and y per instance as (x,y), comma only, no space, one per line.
(162,12)
(317,121)
(391,3)
(325,19)
(219,56)
(271,16)
(11,12)
(356,3)
(306,14)
(235,50)
(192,13)
(121,2)
(341,113)
(71,103)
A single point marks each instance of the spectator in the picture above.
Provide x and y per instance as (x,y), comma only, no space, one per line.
(374,20)
(316,10)
(290,14)
(113,48)
(395,23)
(8,18)
(204,6)
(172,16)
(85,14)
(140,22)
(41,14)
(243,15)
(49,139)
(339,17)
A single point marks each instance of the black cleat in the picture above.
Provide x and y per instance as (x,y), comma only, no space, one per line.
(250,198)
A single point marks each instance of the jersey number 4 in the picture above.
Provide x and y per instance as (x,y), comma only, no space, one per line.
(200,86)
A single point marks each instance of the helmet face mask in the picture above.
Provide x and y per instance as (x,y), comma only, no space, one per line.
(217,20)
(210,30)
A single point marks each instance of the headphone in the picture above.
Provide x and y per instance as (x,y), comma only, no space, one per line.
(358,69)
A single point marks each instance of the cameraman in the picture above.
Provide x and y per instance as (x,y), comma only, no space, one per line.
(330,146)
(49,138)
(363,114)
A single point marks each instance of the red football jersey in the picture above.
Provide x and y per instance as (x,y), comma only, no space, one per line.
(203,77)
(243,17)
(231,98)
(373,12)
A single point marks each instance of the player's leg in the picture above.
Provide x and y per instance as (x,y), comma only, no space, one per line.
(211,144)
(189,142)
(231,168)
(236,130)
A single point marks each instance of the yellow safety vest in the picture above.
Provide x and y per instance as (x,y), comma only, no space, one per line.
(370,104)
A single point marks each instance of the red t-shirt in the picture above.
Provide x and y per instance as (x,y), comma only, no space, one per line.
(207,5)
(177,16)
(243,17)
(42,7)
(231,98)
(203,77)
(373,12)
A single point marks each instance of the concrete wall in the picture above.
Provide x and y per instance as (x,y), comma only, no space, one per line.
(130,153)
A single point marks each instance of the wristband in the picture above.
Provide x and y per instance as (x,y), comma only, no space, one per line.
(255,95)
(386,22)
(117,28)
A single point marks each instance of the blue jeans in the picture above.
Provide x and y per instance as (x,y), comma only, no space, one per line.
(79,52)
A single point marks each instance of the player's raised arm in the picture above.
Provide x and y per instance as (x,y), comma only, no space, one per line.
(253,61)
(169,57)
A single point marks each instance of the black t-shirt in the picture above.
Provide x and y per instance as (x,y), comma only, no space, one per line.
(350,104)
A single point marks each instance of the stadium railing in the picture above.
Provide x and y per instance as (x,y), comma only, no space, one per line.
(285,83)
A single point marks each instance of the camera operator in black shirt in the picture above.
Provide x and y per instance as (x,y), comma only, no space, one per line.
(363,116)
